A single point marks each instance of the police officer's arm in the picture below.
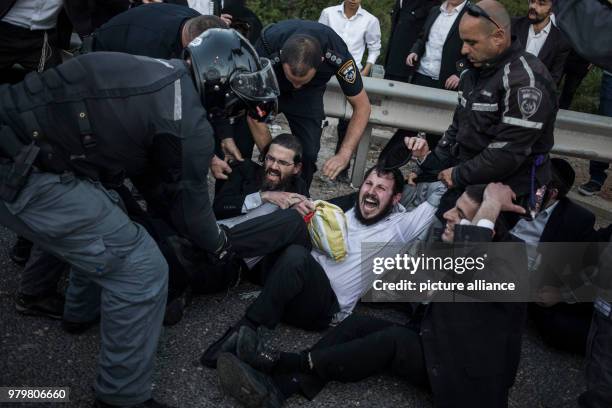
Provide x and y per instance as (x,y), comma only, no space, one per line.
(261,133)
(522,122)
(350,81)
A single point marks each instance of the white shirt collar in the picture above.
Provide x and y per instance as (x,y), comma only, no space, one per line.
(456,10)
(545,30)
(340,9)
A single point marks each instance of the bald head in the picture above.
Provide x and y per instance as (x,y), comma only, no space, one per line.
(485,31)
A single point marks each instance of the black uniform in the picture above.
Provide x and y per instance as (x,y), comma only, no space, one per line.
(153,30)
(304,107)
(105,116)
(406,24)
(503,125)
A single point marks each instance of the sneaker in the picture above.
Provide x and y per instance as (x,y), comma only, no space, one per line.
(226,344)
(78,327)
(51,305)
(253,351)
(147,404)
(20,252)
(247,385)
(589,189)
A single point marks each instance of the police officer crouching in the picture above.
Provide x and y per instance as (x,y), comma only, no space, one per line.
(99,118)
(306,55)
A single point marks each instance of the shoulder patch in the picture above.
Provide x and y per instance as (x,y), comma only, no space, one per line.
(529,99)
(348,71)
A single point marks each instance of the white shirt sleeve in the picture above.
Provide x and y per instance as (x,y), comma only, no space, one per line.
(373,40)
(251,201)
(413,223)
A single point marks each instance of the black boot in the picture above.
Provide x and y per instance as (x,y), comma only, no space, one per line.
(250,387)
(253,351)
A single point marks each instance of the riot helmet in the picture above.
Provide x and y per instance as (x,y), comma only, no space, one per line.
(230,76)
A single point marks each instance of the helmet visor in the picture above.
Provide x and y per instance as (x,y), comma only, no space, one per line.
(256,86)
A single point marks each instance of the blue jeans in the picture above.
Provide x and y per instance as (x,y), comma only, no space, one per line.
(597,169)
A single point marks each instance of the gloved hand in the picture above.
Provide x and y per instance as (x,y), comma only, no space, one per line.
(225,254)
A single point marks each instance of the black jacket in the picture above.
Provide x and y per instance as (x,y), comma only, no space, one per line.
(246,178)
(451,52)
(504,120)
(105,116)
(406,25)
(472,350)
(153,30)
(554,52)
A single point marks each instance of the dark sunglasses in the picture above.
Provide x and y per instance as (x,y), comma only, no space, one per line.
(475,11)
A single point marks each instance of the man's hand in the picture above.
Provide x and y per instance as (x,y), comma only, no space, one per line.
(412,59)
(226,18)
(418,146)
(282,198)
(334,165)
(228,145)
(501,195)
(549,296)
(452,82)
(366,70)
(446,177)
(304,207)
(410,178)
(219,168)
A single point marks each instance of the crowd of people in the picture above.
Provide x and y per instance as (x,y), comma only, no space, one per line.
(105,153)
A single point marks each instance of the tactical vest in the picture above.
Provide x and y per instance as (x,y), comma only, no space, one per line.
(45,120)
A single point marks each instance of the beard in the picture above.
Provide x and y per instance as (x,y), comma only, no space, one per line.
(282,184)
(536,19)
(371,221)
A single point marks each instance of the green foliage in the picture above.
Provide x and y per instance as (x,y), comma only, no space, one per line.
(270,11)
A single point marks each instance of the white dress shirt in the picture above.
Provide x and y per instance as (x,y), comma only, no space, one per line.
(359,31)
(536,41)
(431,61)
(531,231)
(34,14)
(346,277)
(204,7)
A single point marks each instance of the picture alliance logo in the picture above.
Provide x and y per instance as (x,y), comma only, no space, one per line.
(412,264)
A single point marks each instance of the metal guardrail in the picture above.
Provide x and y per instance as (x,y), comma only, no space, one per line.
(431,110)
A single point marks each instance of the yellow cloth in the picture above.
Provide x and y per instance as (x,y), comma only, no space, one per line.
(328,230)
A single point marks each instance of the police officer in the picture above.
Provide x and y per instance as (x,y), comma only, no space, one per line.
(306,55)
(98,118)
(503,127)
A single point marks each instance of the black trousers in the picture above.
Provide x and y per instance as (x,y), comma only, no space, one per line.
(21,46)
(362,346)
(563,326)
(296,291)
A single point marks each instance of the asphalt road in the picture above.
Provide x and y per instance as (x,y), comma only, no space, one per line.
(36,352)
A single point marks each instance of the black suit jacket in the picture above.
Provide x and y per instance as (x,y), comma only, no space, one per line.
(555,50)
(246,178)
(451,53)
(472,350)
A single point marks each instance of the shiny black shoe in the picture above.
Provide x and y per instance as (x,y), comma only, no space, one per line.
(20,252)
(251,349)
(226,344)
(50,305)
(147,404)
(247,385)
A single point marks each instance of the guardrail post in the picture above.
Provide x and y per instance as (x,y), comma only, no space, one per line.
(361,157)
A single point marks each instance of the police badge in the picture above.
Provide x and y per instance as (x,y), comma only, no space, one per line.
(529,99)
(348,72)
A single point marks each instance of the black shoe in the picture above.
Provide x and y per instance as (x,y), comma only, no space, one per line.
(78,327)
(175,309)
(589,189)
(147,404)
(20,252)
(226,344)
(250,387)
(51,305)
(253,351)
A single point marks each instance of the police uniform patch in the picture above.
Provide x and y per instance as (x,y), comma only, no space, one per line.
(348,72)
(196,41)
(529,99)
